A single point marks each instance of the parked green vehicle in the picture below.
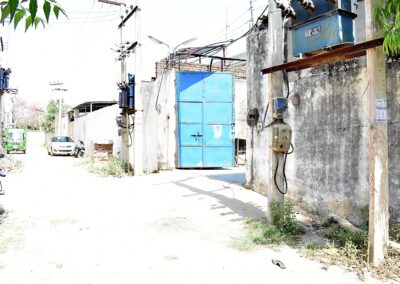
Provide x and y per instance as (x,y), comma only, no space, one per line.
(14,139)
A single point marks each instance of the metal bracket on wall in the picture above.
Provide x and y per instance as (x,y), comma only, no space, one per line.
(340,54)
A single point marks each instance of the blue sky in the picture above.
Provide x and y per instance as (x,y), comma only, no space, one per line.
(78,51)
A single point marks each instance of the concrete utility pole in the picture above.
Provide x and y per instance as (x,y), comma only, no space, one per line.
(137,143)
(275,84)
(60,99)
(138,130)
(378,143)
(251,14)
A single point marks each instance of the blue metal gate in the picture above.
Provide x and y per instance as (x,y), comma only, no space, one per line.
(205,119)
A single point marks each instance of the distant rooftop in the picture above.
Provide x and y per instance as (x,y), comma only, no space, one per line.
(93,106)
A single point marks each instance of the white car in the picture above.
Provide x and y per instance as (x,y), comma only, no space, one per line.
(61,145)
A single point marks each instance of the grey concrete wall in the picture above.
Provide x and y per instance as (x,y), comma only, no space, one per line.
(47,137)
(240,108)
(393,95)
(257,141)
(328,171)
(159,130)
(99,125)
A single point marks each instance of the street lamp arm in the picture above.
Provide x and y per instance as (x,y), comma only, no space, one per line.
(183,43)
(156,40)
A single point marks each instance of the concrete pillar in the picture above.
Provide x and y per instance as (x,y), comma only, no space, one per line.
(275,83)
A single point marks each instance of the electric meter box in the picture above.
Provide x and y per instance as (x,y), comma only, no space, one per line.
(279,106)
(281,137)
(329,25)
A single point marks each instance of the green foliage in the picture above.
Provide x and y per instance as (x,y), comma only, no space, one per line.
(394,231)
(16,10)
(262,233)
(114,167)
(343,236)
(349,249)
(284,217)
(49,119)
(388,16)
(283,230)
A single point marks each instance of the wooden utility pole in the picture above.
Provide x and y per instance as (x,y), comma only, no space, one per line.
(378,143)
(275,89)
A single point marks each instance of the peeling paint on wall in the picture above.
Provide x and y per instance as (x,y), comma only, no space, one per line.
(217,131)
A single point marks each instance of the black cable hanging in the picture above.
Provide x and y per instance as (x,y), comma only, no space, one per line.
(285,184)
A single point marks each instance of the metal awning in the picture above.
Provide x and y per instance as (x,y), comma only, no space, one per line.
(208,51)
(93,106)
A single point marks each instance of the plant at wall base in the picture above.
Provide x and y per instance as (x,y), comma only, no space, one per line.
(283,230)
(18,10)
(388,16)
(284,217)
(349,249)
(113,168)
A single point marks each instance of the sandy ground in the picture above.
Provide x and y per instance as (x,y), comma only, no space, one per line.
(65,225)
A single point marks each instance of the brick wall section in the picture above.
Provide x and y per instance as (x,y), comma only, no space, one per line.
(102,152)
(239,72)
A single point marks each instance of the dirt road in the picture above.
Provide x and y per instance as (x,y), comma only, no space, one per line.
(65,225)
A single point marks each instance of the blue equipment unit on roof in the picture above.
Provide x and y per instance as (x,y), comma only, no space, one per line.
(330,24)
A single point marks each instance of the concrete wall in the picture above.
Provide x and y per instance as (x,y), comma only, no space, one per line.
(98,126)
(240,108)
(257,141)
(328,171)
(393,95)
(159,129)
(47,137)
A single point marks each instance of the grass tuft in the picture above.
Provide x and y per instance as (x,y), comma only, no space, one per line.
(260,232)
(114,168)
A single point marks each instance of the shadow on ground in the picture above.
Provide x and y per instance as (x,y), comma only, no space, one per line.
(235,178)
(236,206)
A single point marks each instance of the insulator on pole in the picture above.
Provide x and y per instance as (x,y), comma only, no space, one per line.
(308,4)
(287,10)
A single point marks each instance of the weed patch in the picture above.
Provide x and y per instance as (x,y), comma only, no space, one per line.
(113,167)
(10,164)
(260,232)
(342,236)
(349,249)
(341,247)
(394,231)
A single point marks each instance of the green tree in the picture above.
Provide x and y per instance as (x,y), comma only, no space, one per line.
(388,16)
(49,119)
(17,10)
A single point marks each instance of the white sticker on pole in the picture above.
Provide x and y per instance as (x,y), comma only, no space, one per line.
(381,110)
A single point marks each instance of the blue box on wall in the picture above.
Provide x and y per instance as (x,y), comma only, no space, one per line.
(328,26)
